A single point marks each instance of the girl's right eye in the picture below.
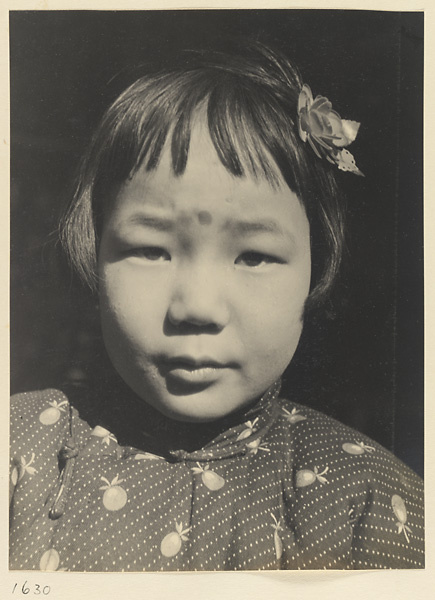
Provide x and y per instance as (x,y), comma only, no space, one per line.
(256,259)
(151,253)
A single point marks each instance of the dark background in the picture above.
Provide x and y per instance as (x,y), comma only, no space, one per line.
(365,366)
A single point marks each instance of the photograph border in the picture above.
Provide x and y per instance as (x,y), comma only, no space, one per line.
(331,584)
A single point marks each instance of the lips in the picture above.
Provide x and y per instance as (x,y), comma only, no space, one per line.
(194,370)
(191,362)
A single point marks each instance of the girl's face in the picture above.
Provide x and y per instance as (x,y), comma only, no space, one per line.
(203,279)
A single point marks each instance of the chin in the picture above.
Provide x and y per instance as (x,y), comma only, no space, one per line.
(188,411)
(202,407)
(197,402)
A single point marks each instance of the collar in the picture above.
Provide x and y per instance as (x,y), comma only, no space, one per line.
(139,428)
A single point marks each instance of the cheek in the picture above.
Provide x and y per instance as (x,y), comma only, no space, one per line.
(276,320)
(131,313)
(279,343)
(280,301)
(281,331)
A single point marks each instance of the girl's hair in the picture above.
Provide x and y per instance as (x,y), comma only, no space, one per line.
(250,100)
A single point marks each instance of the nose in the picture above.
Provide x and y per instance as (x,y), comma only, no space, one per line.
(199,300)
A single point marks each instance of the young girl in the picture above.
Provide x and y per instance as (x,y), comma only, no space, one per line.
(206,220)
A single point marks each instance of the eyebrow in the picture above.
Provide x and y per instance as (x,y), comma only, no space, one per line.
(159,223)
(252,227)
(237,226)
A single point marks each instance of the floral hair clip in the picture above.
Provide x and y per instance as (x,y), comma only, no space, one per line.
(326,132)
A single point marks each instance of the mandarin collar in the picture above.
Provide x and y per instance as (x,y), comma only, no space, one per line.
(140,428)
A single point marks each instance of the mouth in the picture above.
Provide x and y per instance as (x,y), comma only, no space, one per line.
(194,370)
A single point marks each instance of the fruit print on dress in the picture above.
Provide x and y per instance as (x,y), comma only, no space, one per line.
(156,488)
(249,430)
(22,468)
(51,415)
(399,509)
(293,416)
(104,434)
(255,446)
(276,539)
(171,543)
(357,448)
(50,561)
(115,497)
(306,477)
(147,456)
(210,479)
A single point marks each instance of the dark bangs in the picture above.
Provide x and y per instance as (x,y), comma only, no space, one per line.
(250,106)
(252,134)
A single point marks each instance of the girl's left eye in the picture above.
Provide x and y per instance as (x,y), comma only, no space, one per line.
(256,259)
(152,253)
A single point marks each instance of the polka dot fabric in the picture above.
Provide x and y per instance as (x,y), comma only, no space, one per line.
(283,487)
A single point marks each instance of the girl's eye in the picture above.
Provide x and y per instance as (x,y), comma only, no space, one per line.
(256,259)
(152,253)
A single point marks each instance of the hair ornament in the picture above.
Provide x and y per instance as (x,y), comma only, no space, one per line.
(326,132)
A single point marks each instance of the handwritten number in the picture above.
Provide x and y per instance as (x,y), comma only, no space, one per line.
(25,589)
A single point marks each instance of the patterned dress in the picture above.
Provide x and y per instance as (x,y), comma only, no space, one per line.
(105,485)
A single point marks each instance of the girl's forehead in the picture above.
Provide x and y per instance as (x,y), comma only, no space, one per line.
(202,159)
(204,187)
(204,180)
(207,195)
(206,191)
